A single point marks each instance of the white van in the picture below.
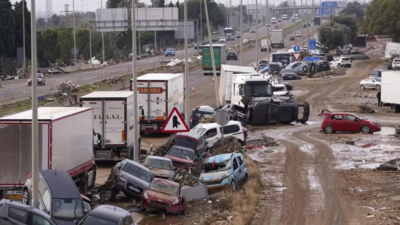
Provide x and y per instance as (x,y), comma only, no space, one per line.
(213,132)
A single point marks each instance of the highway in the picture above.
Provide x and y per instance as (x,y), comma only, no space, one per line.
(18,89)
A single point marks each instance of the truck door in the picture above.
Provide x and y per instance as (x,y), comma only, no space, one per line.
(114,122)
(98,115)
(152,99)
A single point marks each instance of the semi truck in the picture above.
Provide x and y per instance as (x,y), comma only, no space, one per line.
(158,94)
(219,57)
(277,39)
(390,90)
(284,58)
(65,143)
(113,124)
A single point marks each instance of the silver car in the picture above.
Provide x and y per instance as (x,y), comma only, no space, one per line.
(160,167)
(129,177)
(300,67)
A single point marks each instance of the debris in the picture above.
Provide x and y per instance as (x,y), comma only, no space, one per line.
(183,177)
(365,108)
(265,141)
(367,145)
(370,216)
(207,119)
(163,149)
(392,165)
(350,142)
(231,144)
(229,217)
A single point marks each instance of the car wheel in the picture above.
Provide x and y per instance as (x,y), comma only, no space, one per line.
(394,108)
(362,87)
(246,178)
(328,129)
(378,87)
(339,65)
(233,185)
(25,196)
(365,130)
(304,69)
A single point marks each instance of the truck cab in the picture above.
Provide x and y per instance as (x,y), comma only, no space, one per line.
(247,88)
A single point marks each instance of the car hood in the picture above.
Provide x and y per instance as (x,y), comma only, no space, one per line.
(177,159)
(162,172)
(211,176)
(135,180)
(161,197)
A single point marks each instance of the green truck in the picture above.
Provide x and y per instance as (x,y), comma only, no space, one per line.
(219,56)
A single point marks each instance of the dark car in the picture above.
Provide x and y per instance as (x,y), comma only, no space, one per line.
(12,213)
(199,112)
(292,38)
(41,81)
(323,65)
(231,55)
(160,167)
(58,196)
(164,195)
(182,157)
(290,76)
(348,122)
(236,112)
(108,215)
(275,68)
(129,177)
(192,140)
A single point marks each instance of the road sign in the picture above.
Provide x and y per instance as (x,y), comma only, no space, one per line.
(282,25)
(296,56)
(175,123)
(327,8)
(312,44)
(296,48)
(222,117)
(311,59)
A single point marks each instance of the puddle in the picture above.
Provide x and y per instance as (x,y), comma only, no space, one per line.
(386,131)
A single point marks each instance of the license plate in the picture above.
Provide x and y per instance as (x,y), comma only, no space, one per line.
(103,153)
(14,197)
(134,189)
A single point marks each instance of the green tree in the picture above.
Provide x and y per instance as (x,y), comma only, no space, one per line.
(18,28)
(112,3)
(7,28)
(349,21)
(65,43)
(47,47)
(333,35)
(353,8)
(171,4)
(161,3)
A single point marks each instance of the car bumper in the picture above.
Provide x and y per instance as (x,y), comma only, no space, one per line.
(375,129)
(217,184)
(158,206)
(123,186)
(346,65)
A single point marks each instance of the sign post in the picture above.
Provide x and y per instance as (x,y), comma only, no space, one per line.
(296,56)
(296,48)
(312,44)
(175,123)
(222,118)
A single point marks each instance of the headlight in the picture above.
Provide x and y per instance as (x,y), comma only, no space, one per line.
(145,195)
(175,202)
(122,179)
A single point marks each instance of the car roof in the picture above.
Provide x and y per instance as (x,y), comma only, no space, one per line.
(109,212)
(204,108)
(212,125)
(7,202)
(61,184)
(164,181)
(220,158)
(137,164)
(342,113)
(158,158)
(183,147)
(191,133)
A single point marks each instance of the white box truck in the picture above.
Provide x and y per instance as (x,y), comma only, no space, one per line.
(227,78)
(264,45)
(390,90)
(158,94)
(65,143)
(113,124)
(277,39)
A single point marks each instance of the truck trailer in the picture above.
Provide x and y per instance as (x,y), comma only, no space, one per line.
(277,39)
(390,90)
(158,94)
(113,124)
(65,143)
(219,57)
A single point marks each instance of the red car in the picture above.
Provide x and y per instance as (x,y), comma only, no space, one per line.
(182,157)
(41,81)
(348,122)
(164,195)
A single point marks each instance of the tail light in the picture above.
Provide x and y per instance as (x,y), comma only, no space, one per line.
(30,176)
(123,135)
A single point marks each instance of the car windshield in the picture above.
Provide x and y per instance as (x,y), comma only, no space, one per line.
(161,164)
(164,187)
(91,220)
(211,166)
(199,129)
(40,76)
(67,209)
(181,153)
(231,53)
(137,172)
(258,90)
(274,67)
(170,49)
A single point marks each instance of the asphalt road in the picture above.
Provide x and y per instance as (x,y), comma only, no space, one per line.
(18,89)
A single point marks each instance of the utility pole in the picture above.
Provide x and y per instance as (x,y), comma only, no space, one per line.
(227,14)
(185,76)
(301,24)
(136,123)
(241,32)
(201,25)
(257,35)
(294,21)
(73,18)
(35,128)
(102,37)
(269,42)
(212,53)
(23,38)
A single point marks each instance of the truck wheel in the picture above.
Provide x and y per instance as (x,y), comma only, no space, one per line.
(394,108)
(378,87)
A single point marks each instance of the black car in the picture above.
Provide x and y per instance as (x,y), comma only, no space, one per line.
(292,38)
(236,112)
(199,112)
(323,65)
(231,55)
(290,76)
(108,215)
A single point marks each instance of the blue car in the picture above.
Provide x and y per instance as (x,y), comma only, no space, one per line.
(170,52)
(225,169)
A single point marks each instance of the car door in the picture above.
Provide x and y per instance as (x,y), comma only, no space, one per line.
(212,136)
(242,167)
(17,216)
(233,130)
(36,219)
(237,172)
(337,122)
(351,123)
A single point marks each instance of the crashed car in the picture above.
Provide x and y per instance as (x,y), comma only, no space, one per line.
(129,177)
(160,167)
(272,111)
(191,140)
(164,195)
(185,158)
(225,169)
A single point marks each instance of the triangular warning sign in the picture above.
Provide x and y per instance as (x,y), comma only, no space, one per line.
(296,56)
(175,123)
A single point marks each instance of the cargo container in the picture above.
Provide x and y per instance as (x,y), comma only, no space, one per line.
(219,57)
(390,90)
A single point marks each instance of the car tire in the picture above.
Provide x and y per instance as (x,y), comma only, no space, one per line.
(25,196)
(339,65)
(329,130)
(365,130)
(378,87)
(233,185)
(304,69)
(394,108)
(362,87)
(246,178)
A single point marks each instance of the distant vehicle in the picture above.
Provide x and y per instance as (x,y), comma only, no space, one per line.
(222,40)
(197,46)
(264,45)
(160,167)
(285,17)
(237,36)
(182,157)
(41,81)
(292,38)
(108,215)
(341,62)
(12,213)
(277,39)
(229,33)
(225,169)
(219,57)
(275,67)
(300,67)
(323,65)
(58,196)
(129,177)
(290,76)
(317,21)
(357,56)
(396,64)
(192,140)
(371,83)
(298,34)
(170,52)
(252,31)
(376,73)
(334,122)
(164,195)
(199,112)
(390,90)
(231,55)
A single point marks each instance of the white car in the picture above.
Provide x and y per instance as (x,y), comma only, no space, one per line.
(396,63)
(222,40)
(213,132)
(371,83)
(298,34)
(341,62)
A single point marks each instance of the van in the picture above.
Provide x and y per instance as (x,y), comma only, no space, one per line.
(213,132)
(192,140)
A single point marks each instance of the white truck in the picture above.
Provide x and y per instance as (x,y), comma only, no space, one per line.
(277,39)
(227,78)
(113,124)
(158,94)
(65,143)
(264,45)
(390,90)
